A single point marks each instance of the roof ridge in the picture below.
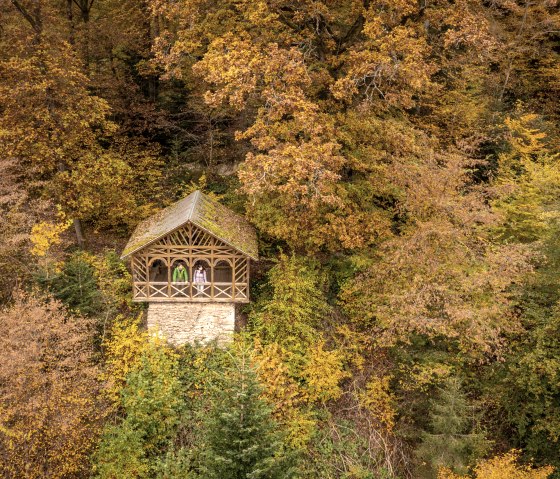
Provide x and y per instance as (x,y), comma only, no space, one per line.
(193,204)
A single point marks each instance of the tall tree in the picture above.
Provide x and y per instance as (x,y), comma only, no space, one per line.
(50,394)
(241,439)
(58,135)
(293,73)
(453,441)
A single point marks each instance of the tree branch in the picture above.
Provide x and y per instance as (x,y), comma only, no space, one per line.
(355,28)
(32,21)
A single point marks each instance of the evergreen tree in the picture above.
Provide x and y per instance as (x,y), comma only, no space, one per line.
(76,285)
(453,442)
(152,403)
(241,438)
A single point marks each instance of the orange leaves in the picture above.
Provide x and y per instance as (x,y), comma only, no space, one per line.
(297,162)
(241,70)
(276,67)
(469,28)
(49,391)
(438,282)
(387,70)
(297,172)
(441,277)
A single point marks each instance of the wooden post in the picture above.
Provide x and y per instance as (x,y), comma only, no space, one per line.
(169,277)
(147,277)
(212,279)
(233,269)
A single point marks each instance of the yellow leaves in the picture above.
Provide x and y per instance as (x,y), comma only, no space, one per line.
(526,135)
(423,376)
(280,390)
(200,184)
(103,184)
(322,372)
(123,351)
(258,12)
(300,426)
(283,393)
(294,173)
(502,467)
(379,401)
(56,130)
(46,234)
(42,136)
(528,180)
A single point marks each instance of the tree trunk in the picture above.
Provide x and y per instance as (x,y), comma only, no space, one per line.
(70,17)
(76,222)
(79,232)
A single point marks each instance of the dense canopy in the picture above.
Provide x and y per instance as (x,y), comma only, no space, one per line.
(394,165)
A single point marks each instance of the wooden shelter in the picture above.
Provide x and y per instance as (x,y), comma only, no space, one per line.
(196,230)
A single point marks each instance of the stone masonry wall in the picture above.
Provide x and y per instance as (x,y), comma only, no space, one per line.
(184,323)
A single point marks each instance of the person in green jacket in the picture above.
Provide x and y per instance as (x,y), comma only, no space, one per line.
(180,274)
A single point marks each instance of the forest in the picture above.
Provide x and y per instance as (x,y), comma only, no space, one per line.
(400,162)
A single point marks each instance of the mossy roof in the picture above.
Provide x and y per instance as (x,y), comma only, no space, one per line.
(202,211)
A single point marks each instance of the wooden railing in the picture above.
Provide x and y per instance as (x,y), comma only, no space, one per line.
(187,291)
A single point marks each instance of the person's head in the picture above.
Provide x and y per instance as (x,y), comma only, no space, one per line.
(199,267)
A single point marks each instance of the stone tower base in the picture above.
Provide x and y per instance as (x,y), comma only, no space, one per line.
(184,323)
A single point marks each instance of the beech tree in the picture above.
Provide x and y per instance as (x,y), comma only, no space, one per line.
(50,393)
(378,59)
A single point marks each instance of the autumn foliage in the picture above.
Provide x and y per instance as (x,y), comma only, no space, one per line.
(400,163)
(502,467)
(52,410)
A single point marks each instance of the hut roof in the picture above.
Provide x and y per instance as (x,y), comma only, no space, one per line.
(202,211)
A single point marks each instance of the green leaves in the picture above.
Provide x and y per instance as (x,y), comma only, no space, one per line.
(152,402)
(241,440)
(296,309)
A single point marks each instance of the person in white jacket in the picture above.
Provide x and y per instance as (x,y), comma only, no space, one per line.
(199,278)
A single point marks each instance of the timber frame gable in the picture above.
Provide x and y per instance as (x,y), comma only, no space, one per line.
(155,254)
